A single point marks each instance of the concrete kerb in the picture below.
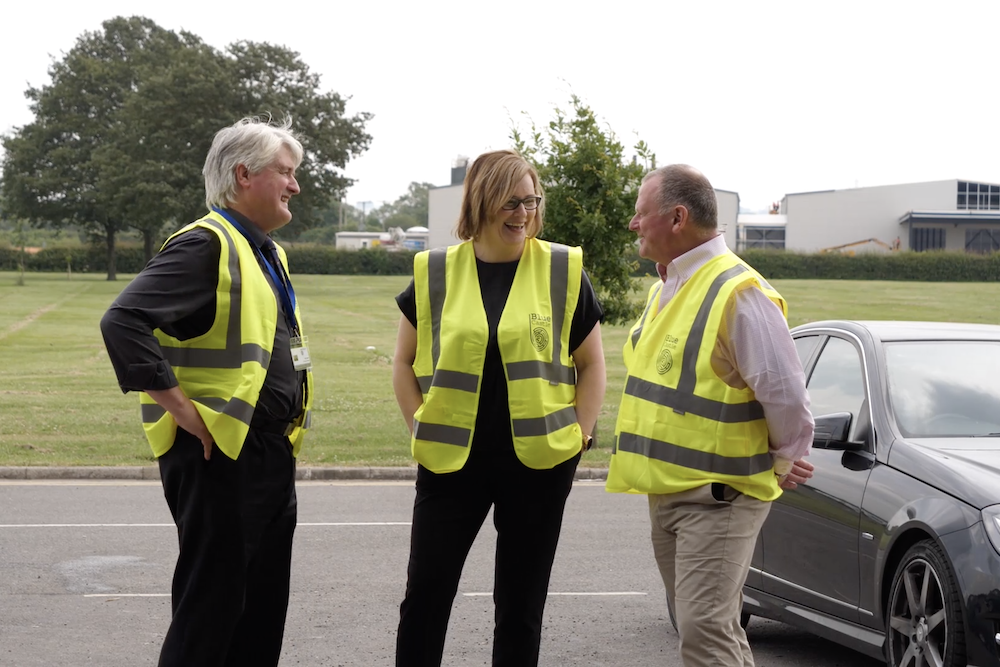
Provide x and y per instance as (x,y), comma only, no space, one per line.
(303,473)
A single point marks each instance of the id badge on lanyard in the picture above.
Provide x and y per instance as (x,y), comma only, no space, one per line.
(300,352)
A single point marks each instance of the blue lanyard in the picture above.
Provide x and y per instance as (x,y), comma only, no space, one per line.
(282,282)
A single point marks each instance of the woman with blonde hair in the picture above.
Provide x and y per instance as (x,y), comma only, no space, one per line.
(499,374)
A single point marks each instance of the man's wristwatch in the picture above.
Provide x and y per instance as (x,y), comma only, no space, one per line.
(588,442)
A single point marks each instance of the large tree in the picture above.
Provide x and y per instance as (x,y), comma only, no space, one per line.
(272,80)
(409,210)
(121,131)
(590,190)
(55,169)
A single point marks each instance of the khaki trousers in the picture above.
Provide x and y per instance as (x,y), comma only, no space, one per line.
(703,540)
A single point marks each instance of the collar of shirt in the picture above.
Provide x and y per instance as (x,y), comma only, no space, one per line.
(259,237)
(679,271)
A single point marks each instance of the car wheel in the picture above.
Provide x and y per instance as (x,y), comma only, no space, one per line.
(924,619)
(744,616)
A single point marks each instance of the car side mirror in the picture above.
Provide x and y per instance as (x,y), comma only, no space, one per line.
(831,430)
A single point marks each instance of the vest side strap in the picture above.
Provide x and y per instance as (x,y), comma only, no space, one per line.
(550,423)
(681,402)
(531,370)
(442,433)
(708,462)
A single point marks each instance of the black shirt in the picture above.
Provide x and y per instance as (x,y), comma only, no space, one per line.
(495,280)
(176,292)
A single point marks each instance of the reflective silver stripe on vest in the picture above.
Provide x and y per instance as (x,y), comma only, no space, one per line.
(236,408)
(689,372)
(645,312)
(441,433)
(525,428)
(449,380)
(740,466)
(235,353)
(437,260)
(437,289)
(696,405)
(554,372)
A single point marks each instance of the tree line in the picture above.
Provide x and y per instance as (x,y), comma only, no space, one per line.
(121,130)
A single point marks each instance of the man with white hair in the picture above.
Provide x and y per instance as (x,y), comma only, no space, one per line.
(210,334)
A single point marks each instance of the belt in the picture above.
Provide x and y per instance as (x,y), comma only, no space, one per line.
(272,426)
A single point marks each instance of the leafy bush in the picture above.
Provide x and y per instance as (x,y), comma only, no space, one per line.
(365,262)
(909,266)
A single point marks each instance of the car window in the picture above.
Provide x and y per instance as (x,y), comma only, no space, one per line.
(944,388)
(837,383)
(805,346)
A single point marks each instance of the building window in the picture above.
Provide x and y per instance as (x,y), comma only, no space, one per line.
(927,238)
(978,196)
(767,238)
(982,241)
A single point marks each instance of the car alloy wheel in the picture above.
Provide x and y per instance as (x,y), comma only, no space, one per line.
(924,619)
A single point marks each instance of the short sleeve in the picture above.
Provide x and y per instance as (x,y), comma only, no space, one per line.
(407,302)
(588,313)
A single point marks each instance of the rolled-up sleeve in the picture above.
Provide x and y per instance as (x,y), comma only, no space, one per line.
(175,292)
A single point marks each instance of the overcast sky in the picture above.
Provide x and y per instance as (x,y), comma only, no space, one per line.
(766,98)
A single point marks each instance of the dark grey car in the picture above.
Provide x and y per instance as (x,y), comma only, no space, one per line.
(892,547)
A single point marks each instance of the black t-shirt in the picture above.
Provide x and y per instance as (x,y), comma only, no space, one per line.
(495,280)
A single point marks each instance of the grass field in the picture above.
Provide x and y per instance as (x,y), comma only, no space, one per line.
(60,403)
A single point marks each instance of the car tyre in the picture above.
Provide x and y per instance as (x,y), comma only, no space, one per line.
(924,616)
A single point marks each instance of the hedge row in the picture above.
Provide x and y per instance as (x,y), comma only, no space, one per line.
(912,266)
(128,259)
(79,259)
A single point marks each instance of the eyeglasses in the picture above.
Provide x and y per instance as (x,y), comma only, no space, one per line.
(530,203)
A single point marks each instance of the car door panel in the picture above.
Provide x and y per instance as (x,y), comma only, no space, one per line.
(810,539)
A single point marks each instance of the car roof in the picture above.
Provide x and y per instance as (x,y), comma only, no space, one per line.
(902,330)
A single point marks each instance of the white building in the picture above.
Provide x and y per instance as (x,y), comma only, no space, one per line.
(760,230)
(938,215)
(415,238)
(955,215)
(359,240)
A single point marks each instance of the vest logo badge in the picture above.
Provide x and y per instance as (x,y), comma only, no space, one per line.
(539,328)
(664,361)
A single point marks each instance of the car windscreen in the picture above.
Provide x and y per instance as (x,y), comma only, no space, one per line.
(944,388)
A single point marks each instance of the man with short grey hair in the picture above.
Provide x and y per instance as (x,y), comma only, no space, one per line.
(210,335)
(714,419)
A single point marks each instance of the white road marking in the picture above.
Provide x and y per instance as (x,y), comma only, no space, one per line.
(126,595)
(468,595)
(170,525)
(585,593)
(148,482)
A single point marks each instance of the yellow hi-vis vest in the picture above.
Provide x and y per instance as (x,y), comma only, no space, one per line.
(533,337)
(223,370)
(680,426)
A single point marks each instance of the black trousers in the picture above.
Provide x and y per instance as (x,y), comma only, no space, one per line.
(235,521)
(448,512)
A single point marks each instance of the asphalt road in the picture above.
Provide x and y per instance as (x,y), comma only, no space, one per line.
(85,573)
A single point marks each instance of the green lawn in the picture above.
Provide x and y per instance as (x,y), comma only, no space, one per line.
(60,403)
